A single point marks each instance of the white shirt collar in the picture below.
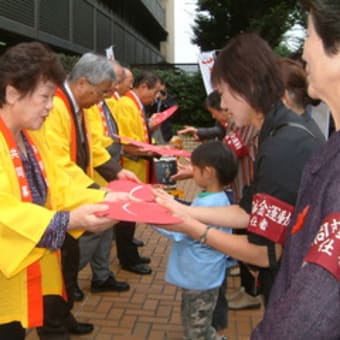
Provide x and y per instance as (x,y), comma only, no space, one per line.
(70,94)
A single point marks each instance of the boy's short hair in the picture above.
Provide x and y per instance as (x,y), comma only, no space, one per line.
(217,155)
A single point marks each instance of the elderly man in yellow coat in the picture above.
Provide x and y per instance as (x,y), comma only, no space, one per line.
(129,115)
(67,132)
(103,128)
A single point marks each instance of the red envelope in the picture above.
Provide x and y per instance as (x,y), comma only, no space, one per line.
(160,117)
(146,212)
(138,190)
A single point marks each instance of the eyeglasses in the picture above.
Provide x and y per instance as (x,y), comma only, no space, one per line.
(101,92)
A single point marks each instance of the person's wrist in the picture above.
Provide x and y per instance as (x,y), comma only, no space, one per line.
(193,228)
(204,236)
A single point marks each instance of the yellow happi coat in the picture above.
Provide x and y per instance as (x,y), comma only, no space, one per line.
(99,139)
(57,130)
(131,125)
(22,225)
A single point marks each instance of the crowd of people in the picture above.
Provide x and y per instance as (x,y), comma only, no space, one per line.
(278,217)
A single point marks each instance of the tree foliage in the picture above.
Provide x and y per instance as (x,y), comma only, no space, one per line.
(219,20)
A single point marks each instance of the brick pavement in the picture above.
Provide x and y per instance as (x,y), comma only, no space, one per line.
(150,310)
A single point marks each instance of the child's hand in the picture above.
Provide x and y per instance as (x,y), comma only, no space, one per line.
(178,209)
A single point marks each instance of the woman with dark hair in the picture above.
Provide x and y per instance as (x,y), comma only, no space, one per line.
(296,95)
(38,202)
(212,103)
(247,75)
(305,300)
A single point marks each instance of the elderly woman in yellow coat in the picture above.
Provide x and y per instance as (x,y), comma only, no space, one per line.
(38,202)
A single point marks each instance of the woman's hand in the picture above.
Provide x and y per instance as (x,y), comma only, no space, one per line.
(189,130)
(184,171)
(85,217)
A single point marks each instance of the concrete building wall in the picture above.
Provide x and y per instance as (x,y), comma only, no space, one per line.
(168,46)
(135,27)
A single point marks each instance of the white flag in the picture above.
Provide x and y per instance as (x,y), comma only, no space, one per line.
(206,61)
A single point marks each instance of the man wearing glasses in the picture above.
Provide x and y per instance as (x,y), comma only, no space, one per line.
(66,131)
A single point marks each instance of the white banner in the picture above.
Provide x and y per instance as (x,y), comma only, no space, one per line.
(206,61)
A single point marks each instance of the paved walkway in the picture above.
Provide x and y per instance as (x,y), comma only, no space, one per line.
(150,310)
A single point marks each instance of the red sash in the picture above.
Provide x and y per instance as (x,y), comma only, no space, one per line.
(115,95)
(33,272)
(62,95)
(325,249)
(270,217)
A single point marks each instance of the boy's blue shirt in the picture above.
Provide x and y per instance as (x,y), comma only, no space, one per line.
(193,265)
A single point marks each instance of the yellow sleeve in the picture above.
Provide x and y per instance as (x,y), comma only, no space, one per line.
(56,131)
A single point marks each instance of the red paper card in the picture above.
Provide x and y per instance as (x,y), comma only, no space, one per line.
(146,212)
(160,117)
(138,190)
(155,148)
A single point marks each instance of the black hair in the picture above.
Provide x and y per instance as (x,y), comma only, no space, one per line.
(24,65)
(249,66)
(213,100)
(217,155)
(326,16)
(146,77)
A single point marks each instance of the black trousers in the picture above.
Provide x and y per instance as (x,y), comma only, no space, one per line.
(127,252)
(12,331)
(247,280)
(57,311)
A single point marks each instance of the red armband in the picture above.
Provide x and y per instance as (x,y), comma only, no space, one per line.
(270,217)
(236,144)
(325,249)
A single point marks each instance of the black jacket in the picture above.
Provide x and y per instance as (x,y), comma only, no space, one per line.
(283,151)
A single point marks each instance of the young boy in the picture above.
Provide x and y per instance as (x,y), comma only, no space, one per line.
(196,268)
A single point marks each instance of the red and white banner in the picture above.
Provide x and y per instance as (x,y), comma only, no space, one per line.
(206,62)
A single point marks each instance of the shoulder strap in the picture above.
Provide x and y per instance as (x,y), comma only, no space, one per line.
(296,125)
